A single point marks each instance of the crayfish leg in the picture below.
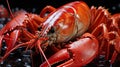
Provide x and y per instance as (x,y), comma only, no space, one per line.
(1,38)
(98,16)
(33,21)
(11,39)
(14,48)
(116,51)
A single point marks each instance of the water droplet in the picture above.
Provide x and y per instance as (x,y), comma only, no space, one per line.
(33,10)
(1,62)
(114,8)
(18,60)
(8,65)
(16,9)
(1,26)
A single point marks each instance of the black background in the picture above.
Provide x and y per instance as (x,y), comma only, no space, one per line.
(112,5)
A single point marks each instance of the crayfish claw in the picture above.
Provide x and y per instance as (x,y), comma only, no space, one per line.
(79,53)
(67,64)
(57,57)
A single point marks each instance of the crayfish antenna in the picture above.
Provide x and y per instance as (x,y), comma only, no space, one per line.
(9,9)
(11,13)
(40,49)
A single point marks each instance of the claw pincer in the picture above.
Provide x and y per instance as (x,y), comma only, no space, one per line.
(78,53)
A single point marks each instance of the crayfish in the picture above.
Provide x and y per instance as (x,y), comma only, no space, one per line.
(78,34)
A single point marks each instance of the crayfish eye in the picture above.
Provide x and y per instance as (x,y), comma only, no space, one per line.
(52,30)
(39,28)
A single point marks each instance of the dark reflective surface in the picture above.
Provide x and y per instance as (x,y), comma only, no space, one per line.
(112,5)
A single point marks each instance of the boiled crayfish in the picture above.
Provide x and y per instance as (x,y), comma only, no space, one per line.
(62,25)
